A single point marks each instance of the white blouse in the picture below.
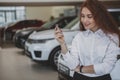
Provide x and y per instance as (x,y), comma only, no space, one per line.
(97,49)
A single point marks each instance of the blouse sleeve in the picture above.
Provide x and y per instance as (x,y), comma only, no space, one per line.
(109,60)
(71,57)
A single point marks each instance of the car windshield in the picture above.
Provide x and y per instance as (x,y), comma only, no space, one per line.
(49,23)
(72,23)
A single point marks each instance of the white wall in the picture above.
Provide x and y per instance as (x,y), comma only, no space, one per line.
(42,13)
(56,11)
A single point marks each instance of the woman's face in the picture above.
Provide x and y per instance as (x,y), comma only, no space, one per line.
(88,20)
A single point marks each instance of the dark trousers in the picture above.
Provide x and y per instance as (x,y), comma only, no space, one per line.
(78,76)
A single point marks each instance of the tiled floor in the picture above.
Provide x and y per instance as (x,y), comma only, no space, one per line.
(14,65)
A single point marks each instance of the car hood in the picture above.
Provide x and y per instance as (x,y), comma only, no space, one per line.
(45,34)
(27,31)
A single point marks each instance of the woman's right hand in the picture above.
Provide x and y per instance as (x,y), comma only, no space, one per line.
(59,35)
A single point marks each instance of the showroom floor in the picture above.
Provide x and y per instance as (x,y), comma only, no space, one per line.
(14,65)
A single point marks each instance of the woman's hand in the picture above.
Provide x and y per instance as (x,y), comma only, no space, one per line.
(77,69)
(59,35)
(60,38)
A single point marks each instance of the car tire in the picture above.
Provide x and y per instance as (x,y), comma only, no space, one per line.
(54,57)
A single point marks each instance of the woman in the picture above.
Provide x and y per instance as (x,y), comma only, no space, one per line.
(95,48)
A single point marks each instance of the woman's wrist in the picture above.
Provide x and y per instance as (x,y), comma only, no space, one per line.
(63,43)
(87,69)
(63,48)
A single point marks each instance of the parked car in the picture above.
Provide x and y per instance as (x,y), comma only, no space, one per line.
(64,73)
(42,46)
(22,35)
(11,29)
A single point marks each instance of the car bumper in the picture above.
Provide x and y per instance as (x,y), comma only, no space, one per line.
(19,42)
(38,52)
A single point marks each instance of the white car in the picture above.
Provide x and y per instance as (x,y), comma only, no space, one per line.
(42,45)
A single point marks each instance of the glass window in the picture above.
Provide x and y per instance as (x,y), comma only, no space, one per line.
(11,14)
(72,23)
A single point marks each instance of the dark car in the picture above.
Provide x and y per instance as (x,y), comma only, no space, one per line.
(21,36)
(10,30)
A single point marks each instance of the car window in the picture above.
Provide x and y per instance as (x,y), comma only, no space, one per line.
(63,22)
(33,23)
(72,23)
(49,23)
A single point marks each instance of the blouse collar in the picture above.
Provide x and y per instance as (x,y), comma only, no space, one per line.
(99,32)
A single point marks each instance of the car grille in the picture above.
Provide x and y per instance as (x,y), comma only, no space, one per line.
(37,53)
(35,41)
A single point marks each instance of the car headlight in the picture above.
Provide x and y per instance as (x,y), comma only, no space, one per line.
(39,41)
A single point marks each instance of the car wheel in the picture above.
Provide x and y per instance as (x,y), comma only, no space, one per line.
(54,57)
